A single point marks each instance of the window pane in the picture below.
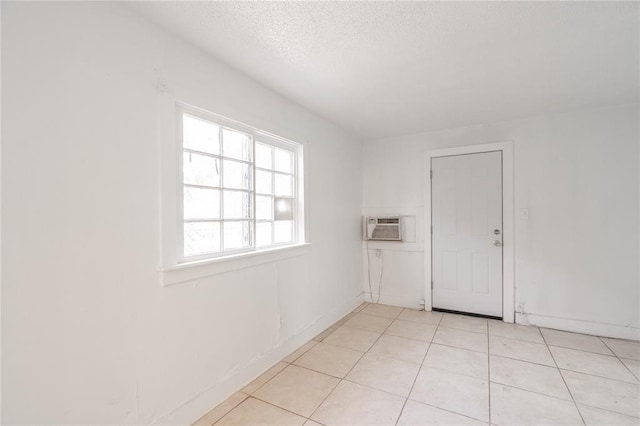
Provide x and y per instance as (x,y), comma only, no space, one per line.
(284,185)
(263,234)
(236,175)
(263,156)
(237,235)
(201,237)
(200,135)
(264,182)
(200,169)
(237,205)
(264,208)
(284,160)
(283,231)
(236,145)
(283,208)
(200,203)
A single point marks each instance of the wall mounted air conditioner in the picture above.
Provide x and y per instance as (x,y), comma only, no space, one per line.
(381,228)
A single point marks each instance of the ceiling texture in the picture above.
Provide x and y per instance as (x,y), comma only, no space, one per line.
(382,69)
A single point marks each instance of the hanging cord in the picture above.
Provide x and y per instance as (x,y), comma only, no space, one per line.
(369,275)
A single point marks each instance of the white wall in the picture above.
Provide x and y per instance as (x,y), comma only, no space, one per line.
(577,255)
(89,334)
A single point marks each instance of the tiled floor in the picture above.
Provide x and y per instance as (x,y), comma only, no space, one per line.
(387,365)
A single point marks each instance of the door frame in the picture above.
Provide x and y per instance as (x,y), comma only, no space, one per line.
(508,220)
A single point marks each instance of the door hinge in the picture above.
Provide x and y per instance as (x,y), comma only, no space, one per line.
(431,284)
(431,227)
(431,174)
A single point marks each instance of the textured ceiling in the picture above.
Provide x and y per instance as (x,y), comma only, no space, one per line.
(390,68)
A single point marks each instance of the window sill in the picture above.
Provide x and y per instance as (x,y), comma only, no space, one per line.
(204,268)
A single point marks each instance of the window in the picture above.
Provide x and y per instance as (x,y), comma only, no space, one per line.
(240,188)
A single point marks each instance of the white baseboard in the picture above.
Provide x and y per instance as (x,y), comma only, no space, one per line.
(579,326)
(190,411)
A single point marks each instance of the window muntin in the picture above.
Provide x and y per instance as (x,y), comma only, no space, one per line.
(239,189)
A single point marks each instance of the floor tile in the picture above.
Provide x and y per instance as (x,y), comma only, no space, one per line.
(464,322)
(386,374)
(461,394)
(582,342)
(591,363)
(517,349)
(461,339)
(353,404)
(297,389)
(426,317)
(528,376)
(511,406)
(333,360)
(369,322)
(320,337)
(624,348)
(632,365)
(361,307)
(456,360)
(597,417)
(608,394)
(455,370)
(515,331)
(345,318)
(264,378)
(412,330)
(217,413)
(382,310)
(418,414)
(353,338)
(300,351)
(400,348)
(253,412)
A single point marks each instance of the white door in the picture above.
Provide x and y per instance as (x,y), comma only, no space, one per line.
(466,205)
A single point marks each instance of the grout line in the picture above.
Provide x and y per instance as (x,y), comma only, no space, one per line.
(453,412)
(524,360)
(352,367)
(277,406)
(627,367)
(619,358)
(583,350)
(273,377)
(465,330)
(599,377)
(290,364)
(227,412)
(458,347)
(303,353)
(532,391)
(419,370)
(575,404)
(611,411)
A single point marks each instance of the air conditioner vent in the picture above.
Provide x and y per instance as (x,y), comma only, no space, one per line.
(382,228)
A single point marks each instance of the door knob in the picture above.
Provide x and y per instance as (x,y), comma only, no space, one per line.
(497,243)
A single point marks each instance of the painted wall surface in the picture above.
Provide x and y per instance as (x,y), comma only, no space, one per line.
(577,254)
(89,335)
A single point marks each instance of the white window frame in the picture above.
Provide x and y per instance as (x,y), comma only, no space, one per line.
(175,267)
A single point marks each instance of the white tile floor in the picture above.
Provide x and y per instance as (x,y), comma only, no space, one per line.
(386,365)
